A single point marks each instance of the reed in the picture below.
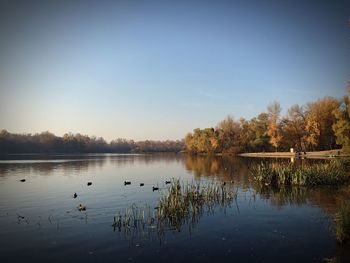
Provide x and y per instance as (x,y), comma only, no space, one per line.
(178,205)
(134,217)
(333,172)
(187,203)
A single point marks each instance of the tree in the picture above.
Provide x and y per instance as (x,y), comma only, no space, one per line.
(189,143)
(294,125)
(274,110)
(341,127)
(228,131)
(319,121)
(202,141)
(47,142)
(247,135)
(260,126)
(207,142)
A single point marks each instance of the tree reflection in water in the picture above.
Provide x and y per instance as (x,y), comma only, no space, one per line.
(329,198)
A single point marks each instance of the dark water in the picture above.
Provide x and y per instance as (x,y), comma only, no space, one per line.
(39,219)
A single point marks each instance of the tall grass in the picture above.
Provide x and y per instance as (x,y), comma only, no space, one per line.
(183,203)
(329,173)
(179,204)
(136,224)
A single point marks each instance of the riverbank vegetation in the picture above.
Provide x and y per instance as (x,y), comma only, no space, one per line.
(47,142)
(320,125)
(277,174)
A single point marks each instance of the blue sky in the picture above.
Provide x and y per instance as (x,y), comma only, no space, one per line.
(158,69)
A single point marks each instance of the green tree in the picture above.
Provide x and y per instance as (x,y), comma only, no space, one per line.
(260,128)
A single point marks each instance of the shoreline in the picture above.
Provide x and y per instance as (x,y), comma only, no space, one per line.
(316,154)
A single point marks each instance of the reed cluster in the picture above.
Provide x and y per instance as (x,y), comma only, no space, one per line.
(178,205)
(137,224)
(187,202)
(333,172)
(134,217)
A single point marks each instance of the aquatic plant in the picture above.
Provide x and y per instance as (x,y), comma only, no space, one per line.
(134,217)
(138,223)
(187,203)
(178,205)
(333,172)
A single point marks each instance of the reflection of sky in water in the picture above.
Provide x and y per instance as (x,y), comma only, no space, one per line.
(291,219)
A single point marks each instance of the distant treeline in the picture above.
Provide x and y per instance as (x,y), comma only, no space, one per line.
(320,125)
(47,142)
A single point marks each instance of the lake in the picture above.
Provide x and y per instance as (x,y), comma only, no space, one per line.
(40,221)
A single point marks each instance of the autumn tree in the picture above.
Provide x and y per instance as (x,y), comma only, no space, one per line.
(208,141)
(341,127)
(274,111)
(228,131)
(319,121)
(293,128)
(189,143)
(201,141)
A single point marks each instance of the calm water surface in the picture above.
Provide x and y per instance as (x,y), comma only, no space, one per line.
(39,219)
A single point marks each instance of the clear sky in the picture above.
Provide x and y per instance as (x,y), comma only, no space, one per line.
(158,69)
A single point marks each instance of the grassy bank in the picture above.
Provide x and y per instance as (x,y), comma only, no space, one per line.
(314,154)
(333,172)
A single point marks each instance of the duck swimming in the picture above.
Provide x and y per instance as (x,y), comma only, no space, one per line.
(82,207)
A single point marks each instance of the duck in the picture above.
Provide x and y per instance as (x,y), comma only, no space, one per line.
(75,195)
(82,207)
(23,180)
(127,182)
(89,183)
(142,184)
(155,188)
